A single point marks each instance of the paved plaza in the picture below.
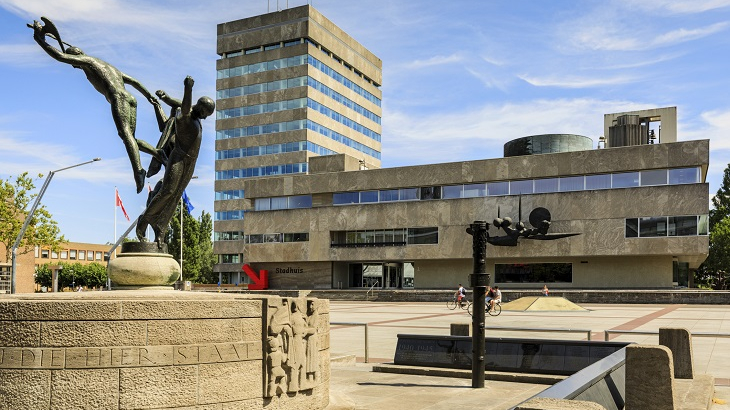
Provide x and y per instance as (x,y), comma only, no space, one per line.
(355,387)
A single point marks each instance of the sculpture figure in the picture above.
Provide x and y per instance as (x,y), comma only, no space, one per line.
(297,355)
(312,367)
(180,164)
(108,81)
(275,373)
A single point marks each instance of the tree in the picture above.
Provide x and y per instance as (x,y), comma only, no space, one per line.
(207,258)
(90,275)
(15,201)
(198,258)
(714,271)
(721,200)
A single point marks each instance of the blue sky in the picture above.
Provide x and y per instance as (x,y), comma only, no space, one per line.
(460,78)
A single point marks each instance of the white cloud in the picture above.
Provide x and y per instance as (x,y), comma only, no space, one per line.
(682,34)
(20,54)
(677,6)
(481,132)
(434,61)
(568,81)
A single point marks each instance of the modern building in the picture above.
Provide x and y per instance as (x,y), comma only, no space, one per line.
(641,212)
(291,86)
(298,154)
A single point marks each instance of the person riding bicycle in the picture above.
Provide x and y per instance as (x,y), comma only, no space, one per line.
(496,298)
(460,294)
(488,298)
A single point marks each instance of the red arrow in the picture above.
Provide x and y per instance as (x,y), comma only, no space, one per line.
(260,282)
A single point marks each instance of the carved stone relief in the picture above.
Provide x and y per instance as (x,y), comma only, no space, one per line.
(292,346)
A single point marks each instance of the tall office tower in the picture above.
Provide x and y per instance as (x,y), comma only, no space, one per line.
(291,85)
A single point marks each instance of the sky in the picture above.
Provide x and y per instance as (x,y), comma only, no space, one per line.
(460,79)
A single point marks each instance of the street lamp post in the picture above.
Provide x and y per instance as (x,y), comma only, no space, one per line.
(14,251)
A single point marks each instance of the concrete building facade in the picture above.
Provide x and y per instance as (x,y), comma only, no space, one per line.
(298,154)
(641,212)
(291,86)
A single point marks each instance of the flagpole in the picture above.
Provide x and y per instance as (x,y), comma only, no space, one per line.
(181,238)
(108,279)
(115,217)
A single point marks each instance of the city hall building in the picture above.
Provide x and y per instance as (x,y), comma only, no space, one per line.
(300,192)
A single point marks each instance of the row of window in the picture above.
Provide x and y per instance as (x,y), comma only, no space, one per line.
(293,83)
(293,105)
(385,237)
(70,254)
(229,215)
(276,238)
(343,80)
(273,149)
(228,236)
(229,258)
(293,126)
(230,194)
(293,62)
(525,186)
(343,100)
(283,202)
(297,42)
(260,108)
(261,87)
(324,110)
(298,168)
(662,226)
(267,47)
(344,63)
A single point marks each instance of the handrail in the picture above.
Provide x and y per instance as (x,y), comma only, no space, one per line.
(656,332)
(546,330)
(367,355)
(367,294)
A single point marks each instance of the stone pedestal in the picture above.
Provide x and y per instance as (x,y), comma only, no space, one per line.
(142,265)
(161,350)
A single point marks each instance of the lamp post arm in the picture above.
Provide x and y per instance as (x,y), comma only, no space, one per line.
(14,251)
(32,209)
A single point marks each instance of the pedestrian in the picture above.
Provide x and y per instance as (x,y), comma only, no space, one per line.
(545,290)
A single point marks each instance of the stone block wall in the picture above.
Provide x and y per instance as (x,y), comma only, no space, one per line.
(152,350)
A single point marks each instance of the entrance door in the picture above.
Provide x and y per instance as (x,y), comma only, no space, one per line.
(392,273)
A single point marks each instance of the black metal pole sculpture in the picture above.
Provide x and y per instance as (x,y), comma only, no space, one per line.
(479,281)
(540,220)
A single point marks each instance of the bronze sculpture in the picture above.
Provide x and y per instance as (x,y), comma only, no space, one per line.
(108,81)
(185,133)
(178,145)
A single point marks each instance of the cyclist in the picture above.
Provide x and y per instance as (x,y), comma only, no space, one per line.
(496,298)
(460,294)
(488,299)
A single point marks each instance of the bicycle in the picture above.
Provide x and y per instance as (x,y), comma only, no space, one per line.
(463,304)
(495,311)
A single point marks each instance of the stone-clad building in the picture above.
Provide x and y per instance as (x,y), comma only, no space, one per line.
(291,86)
(298,154)
(641,212)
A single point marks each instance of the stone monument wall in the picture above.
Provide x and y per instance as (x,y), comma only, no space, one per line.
(163,350)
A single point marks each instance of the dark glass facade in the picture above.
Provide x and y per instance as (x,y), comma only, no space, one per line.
(547,144)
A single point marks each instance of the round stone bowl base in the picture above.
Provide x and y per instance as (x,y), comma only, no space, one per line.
(142,270)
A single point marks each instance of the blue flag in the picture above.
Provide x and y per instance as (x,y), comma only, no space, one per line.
(188,206)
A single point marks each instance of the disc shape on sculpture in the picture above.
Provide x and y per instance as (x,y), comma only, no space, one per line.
(538,215)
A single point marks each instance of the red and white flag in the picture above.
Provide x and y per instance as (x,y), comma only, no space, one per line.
(121,205)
